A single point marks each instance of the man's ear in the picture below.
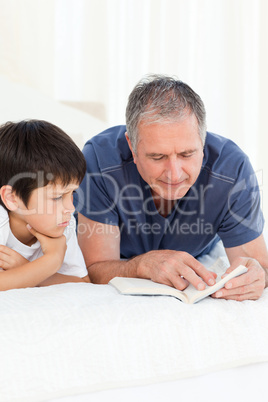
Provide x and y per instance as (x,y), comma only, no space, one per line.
(130,147)
(9,198)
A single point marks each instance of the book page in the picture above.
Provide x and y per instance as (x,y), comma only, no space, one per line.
(194,295)
(219,267)
(139,286)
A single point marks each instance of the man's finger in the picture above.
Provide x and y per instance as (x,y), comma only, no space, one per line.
(190,275)
(179,283)
(207,276)
(237,297)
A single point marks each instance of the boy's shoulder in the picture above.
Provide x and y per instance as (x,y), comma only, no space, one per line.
(4,218)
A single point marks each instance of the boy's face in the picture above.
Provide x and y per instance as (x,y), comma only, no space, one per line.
(49,209)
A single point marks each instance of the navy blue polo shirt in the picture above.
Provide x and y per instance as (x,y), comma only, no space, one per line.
(224,202)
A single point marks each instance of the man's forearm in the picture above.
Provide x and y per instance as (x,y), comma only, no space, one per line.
(163,266)
(102,272)
(266,277)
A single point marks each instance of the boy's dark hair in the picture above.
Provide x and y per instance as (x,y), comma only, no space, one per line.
(34,153)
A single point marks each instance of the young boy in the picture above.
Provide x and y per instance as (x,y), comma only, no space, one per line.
(40,168)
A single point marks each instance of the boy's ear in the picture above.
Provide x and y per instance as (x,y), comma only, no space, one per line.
(9,198)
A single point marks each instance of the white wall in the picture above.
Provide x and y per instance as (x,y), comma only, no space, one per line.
(90,54)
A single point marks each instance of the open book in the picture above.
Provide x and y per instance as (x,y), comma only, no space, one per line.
(190,295)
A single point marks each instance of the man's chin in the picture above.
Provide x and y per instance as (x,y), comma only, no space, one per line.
(168,193)
(172,196)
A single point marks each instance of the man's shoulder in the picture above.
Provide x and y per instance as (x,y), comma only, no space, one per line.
(222,156)
(109,149)
(219,144)
(109,138)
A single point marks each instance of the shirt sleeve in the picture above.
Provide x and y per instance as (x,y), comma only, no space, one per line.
(242,218)
(4,226)
(98,192)
(73,263)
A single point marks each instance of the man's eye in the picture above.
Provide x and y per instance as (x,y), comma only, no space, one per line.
(157,158)
(187,155)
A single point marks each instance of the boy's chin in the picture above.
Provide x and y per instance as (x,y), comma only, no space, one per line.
(59,232)
(55,233)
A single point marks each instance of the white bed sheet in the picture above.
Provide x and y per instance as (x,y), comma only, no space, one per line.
(245,383)
(78,338)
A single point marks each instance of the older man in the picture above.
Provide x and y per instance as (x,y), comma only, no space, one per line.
(161,192)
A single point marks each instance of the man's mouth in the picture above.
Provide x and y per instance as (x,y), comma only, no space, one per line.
(173,184)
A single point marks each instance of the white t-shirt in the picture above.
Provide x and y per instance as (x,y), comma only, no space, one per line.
(73,263)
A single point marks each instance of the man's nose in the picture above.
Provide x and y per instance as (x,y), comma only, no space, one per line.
(174,170)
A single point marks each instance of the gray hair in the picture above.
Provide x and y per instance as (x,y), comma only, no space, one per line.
(162,99)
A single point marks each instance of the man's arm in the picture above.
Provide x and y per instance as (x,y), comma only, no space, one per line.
(100,245)
(250,285)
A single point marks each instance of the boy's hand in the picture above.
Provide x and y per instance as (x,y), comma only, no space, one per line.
(10,258)
(55,246)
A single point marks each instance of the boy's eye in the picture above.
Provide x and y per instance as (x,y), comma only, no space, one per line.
(57,198)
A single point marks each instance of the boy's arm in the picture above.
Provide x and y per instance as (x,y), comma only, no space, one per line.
(10,258)
(32,273)
(73,268)
(61,278)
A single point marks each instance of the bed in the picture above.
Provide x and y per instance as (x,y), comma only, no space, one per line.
(82,342)
(80,338)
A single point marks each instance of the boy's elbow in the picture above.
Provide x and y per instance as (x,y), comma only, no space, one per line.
(86,279)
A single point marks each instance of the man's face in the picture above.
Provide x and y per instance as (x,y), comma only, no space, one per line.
(169,157)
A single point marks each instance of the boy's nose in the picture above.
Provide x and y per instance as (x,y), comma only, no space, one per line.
(69,207)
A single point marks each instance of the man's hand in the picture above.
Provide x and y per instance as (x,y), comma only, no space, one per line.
(100,245)
(10,258)
(248,286)
(174,268)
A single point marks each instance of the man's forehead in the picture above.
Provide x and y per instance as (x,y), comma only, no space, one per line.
(182,151)
(174,118)
(184,134)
